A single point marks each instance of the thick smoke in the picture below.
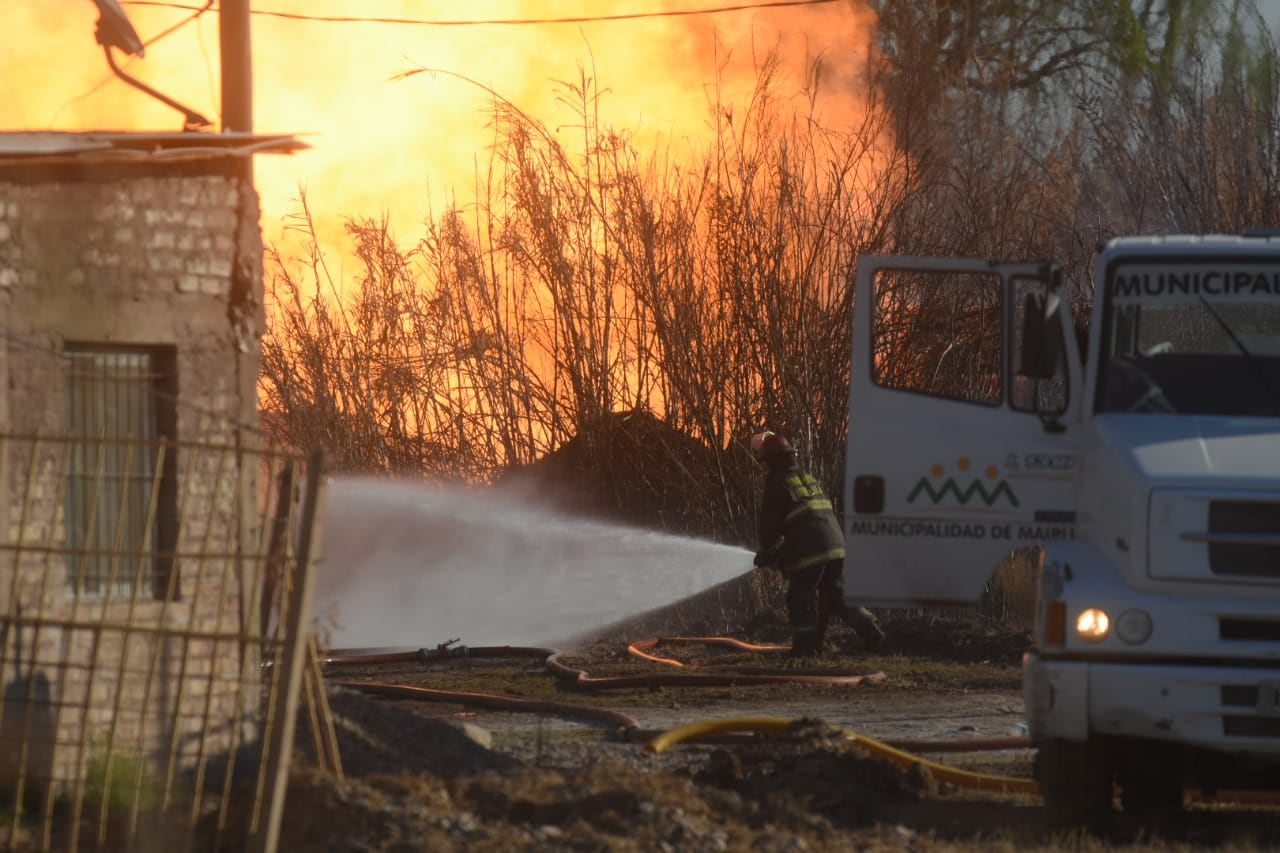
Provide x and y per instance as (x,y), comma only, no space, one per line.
(418,144)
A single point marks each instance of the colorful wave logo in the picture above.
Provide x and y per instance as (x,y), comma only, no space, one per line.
(945,490)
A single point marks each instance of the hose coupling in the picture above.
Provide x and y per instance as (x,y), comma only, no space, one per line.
(447,649)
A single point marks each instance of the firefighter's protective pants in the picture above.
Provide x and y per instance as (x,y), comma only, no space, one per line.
(816,593)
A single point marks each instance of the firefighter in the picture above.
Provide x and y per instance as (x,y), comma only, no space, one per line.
(800,536)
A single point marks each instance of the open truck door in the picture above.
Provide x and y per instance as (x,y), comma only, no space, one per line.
(966,381)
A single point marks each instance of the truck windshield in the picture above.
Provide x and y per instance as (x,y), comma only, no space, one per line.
(1196,339)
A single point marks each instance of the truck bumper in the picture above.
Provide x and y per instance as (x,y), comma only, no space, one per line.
(1221,708)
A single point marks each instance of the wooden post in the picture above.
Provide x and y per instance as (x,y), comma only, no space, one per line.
(328,754)
(237,66)
(278,741)
(235,48)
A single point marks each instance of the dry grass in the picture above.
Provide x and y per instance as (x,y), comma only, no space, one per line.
(589,281)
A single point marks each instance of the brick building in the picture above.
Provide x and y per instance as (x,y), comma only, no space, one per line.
(131,501)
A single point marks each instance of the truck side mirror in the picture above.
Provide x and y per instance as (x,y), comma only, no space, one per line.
(1041,337)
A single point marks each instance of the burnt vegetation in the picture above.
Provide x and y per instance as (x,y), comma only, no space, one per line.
(615,323)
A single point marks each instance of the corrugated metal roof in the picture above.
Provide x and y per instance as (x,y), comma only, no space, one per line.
(26,145)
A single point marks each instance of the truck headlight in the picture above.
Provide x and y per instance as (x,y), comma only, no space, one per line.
(1134,626)
(1093,624)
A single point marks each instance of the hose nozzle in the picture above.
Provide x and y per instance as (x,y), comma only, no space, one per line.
(447,649)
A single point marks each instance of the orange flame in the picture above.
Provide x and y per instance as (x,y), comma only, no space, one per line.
(405,148)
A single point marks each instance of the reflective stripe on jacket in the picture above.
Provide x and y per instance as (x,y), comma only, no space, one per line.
(796,510)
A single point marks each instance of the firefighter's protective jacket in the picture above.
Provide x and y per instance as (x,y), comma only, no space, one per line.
(797,520)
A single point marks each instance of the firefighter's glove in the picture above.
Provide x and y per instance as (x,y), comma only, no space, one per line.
(765,557)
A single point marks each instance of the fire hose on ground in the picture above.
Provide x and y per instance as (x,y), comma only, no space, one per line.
(621,724)
(903,753)
(1004,785)
(553,662)
(900,754)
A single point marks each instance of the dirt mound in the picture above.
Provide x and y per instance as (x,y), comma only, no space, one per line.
(632,468)
(807,788)
(381,737)
(813,769)
(801,789)
(958,640)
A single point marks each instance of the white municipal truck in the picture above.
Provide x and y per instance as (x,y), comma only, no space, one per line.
(1136,450)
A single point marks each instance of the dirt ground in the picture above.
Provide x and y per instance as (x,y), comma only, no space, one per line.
(546,781)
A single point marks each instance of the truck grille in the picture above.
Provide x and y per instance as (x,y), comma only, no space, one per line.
(1244,538)
(1239,695)
(1253,630)
(1262,699)
(1237,726)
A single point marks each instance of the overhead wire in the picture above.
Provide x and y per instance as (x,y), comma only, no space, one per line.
(199,10)
(480,22)
(165,33)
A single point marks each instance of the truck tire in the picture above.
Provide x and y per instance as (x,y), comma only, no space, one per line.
(1078,784)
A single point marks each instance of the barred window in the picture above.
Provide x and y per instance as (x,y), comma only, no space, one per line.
(120,521)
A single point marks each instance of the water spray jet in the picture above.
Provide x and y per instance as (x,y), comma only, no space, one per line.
(405,560)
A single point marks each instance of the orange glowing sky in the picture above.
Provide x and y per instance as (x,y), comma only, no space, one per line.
(401,148)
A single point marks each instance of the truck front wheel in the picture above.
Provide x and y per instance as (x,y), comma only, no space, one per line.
(1078,783)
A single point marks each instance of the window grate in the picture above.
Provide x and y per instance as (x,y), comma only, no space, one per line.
(115,479)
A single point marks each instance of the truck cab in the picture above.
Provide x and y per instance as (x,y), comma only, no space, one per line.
(1131,456)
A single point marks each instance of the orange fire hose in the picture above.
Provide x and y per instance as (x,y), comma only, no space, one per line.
(554,663)
(641,648)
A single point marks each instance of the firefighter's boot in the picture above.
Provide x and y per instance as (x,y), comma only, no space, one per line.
(824,621)
(865,624)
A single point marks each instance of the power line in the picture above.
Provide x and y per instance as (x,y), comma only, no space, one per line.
(108,78)
(576,19)
(199,10)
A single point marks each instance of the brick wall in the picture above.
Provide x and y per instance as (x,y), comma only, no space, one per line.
(155,260)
